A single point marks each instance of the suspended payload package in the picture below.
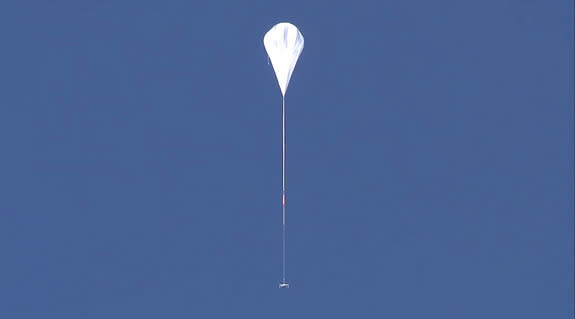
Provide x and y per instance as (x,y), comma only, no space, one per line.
(283,44)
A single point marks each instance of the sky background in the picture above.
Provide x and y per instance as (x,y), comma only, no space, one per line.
(429,165)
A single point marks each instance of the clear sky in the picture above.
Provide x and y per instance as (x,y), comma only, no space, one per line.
(430,160)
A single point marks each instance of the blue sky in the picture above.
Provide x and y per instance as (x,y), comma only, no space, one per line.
(430,160)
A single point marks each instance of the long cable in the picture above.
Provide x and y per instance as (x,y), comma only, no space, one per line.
(284,192)
(284,247)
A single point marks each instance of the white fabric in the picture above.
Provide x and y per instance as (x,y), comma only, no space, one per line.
(283,44)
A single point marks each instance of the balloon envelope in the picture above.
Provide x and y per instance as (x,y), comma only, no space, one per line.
(283,44)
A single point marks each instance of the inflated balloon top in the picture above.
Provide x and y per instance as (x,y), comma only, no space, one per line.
(283,44)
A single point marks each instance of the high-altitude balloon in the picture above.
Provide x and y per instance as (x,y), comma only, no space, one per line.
(283,44)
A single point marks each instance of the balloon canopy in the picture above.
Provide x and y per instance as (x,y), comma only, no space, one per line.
(283,44)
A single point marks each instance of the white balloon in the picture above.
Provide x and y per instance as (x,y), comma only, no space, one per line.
(283,44)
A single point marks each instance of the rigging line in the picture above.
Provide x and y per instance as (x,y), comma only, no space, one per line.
(284,145)
(284,248)
(284,191)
